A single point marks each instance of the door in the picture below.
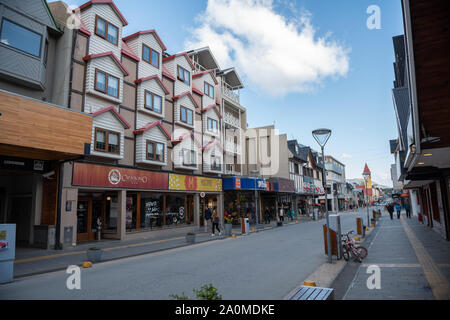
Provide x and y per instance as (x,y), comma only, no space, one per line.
(20,215)
(88,212)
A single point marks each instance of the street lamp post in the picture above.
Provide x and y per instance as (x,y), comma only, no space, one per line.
(322,136)
(366,178)
(256,172)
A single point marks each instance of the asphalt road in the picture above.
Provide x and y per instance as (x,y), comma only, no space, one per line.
(264,266)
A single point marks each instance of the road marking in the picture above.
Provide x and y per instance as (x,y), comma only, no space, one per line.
(392,265)
(438,282)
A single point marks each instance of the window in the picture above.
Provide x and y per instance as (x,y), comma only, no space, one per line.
(107,141)
(188,158)
(46,52)
(186,116)
(212,125)
(215,163)
(184,75)
(106,30)
(107,83)
(155,151)
(153,102)
(21,38)
(151,56)
(209,90)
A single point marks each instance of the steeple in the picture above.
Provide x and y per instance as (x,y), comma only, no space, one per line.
(366,169)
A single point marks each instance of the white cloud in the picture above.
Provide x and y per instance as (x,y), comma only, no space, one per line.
(277,54)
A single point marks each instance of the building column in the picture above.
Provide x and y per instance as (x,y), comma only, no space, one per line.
(197,210)
(122,214)
(36,205)
(221,208)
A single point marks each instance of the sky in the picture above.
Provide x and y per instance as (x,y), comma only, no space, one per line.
(305,64)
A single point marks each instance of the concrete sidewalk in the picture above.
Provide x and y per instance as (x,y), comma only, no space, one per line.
(414,264)
(31,261)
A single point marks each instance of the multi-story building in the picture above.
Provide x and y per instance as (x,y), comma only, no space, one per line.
(335,175)
(157,152)
(427,145)
(38,133)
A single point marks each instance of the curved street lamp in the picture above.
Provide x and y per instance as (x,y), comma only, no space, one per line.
(322,136)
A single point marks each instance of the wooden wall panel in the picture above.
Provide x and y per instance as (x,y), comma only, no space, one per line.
(49,202)
(33,124)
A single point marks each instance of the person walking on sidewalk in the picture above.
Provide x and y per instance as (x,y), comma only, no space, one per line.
(408,210)
(267,216)
(398,208)
(215,222)
(390,209)
(282,214)
(207,217)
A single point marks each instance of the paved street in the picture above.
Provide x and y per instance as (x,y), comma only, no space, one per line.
(264,265)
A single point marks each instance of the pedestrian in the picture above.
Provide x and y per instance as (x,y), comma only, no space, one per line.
(215,222)
(292,214)
(207,217)
(390,209)
(398,208)
(408,210)
(267,216)
(282,214)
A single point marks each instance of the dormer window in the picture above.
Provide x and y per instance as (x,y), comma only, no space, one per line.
(150,56)
(184,75)
(155,151)
(106,30)
(107,141)
(212,125)
(209,90)
(215,163)
(106,83)
(187,116)
(188,158)
(153,102)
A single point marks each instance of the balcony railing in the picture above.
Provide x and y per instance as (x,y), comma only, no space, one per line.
(228,91)
(231,120)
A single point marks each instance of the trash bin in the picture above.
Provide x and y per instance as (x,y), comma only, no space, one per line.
(245,226)
(7,252)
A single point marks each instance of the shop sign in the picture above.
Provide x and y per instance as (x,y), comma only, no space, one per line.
(10,163)
(181,182)
(244,184)
(90,175)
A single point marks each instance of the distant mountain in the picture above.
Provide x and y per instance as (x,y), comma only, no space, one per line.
(361,183)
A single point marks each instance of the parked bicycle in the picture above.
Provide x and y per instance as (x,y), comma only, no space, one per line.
(350,249)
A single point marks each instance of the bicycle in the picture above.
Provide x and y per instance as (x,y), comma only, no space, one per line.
(349,248)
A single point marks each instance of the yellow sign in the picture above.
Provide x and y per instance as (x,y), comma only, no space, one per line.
(192,183)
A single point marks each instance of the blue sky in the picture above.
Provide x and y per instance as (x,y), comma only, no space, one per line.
(354,101)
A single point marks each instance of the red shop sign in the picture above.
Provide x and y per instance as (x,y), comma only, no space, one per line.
(90,175)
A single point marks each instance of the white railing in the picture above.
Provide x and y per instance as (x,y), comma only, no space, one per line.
(231,120)
(230,146)
(228,91)
(198,68)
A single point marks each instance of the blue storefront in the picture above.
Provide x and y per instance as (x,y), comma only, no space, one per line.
(239,196)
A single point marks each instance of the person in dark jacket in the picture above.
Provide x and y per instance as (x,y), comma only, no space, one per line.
(408,210)
(267,216)
(390,209)
(398,208)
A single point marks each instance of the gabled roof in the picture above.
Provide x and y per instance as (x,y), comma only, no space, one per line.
(108,54)
(158,80)
(187,93)
(301,154)
(205,58)
(231,77)
(83,29)
(197,91)
(167,74)
(152,125)
(179,55)
(212,144)
(184,136)
(113,110)
(201,74)
(126,50)
(111,3)
(213,106)
(137,34)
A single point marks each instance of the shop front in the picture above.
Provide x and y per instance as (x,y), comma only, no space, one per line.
(281,194)
(123,203)
(240,196)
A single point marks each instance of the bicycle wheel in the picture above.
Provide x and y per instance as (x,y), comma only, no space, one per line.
(346,255)
(362,252)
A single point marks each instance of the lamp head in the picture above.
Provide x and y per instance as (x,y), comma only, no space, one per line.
(322,136)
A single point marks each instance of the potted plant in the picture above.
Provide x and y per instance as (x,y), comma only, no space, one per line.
(94,254)
(190,237)
(228,225)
